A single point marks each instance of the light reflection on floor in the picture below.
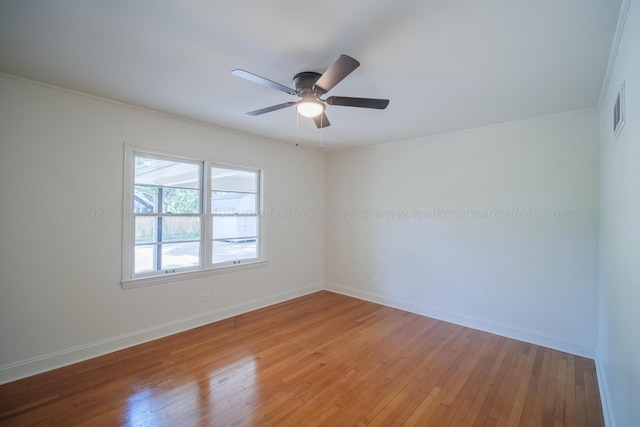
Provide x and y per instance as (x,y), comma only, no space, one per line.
(210,397)
(141,410)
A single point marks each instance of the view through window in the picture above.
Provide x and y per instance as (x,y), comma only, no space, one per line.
(175,229)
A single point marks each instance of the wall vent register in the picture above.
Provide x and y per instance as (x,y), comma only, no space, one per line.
(618,112)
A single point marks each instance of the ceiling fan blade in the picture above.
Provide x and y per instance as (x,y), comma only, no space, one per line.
(272,108)
(262,81)
(340,69)
(321,121)
(379,104)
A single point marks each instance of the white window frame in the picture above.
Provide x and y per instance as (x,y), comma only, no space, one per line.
(132,280)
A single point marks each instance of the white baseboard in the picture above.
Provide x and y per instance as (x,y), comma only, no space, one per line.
(25,368)
(47,362)
(533,337)
(609,420)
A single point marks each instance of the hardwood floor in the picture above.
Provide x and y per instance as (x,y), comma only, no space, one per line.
(320,360)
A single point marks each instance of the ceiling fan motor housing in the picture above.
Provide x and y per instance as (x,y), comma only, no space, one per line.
(304,82)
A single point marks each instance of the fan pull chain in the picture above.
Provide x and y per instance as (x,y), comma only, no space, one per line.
(321,133)
(297,129)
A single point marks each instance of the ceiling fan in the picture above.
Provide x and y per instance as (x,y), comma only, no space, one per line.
(310,86)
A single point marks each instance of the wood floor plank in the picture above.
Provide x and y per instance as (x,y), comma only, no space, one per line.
(320,360)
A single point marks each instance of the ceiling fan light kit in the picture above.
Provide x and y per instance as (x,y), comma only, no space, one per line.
(310,86)
(310,108)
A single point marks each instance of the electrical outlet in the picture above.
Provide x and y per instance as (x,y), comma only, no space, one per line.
(205,296)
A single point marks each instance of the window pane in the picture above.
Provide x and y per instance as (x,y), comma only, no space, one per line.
(179,255)
(144,258)
(173,228)
(172,255)
(180,201)
(229,250)
(227,203)
(146,229)
(145,199)
(235,228)
(233,180)
(166,173)
(180,228)
(172,200)
(234,238)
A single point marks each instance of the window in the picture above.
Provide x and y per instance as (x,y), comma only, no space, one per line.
(174,229)
(235,214)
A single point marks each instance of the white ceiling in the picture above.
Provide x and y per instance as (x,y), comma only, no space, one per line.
(446,65)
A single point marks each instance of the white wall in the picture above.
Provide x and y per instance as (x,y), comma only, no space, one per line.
(525,277)
(619,313)
(60,293)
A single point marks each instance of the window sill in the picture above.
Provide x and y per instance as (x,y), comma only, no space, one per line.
(175,277)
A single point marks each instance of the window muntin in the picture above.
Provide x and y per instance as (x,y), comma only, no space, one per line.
(173,228)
